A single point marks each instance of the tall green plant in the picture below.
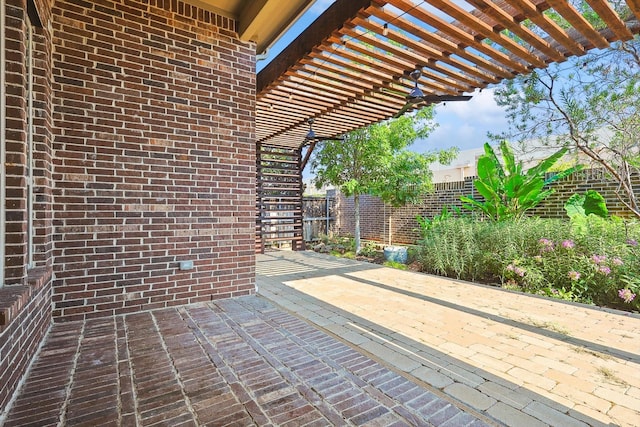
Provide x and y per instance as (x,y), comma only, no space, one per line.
(425,224)
(375,160)
(508,190)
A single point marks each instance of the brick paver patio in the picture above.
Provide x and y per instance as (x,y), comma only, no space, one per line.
(520,359)
(239,362)
(383,348)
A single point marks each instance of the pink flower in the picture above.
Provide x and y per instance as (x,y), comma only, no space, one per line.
(616,261)
(626,295)
(603,269)
(568,244)
(517,270)
(547,245)
(598,259)
(574,275)
(632,242)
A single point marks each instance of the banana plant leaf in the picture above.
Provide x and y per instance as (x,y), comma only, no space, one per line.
(509,192)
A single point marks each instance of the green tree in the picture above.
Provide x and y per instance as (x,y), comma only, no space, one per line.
(375,160)
(590,104)
(507,189)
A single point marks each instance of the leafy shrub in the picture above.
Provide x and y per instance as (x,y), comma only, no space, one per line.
(590,259)
(396,265)
(413,254)
(339,244)
(425,223)
(449,248)
(589,203)
(370,250)
(507,189)
(478,251)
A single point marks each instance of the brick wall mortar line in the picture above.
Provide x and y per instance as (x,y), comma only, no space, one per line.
(178,127)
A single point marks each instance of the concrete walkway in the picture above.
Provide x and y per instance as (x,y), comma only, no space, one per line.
(519,359)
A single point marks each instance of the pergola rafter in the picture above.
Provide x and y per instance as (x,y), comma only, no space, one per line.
(357,72)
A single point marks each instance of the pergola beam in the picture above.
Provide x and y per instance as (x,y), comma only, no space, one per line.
(351,67)
(332,19)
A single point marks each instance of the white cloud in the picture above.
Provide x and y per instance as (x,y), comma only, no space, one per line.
(448,135)
(481,108)
(465,124)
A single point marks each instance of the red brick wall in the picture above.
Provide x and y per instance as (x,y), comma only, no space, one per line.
(25,300)
(154,157)
(591,179)
(143,156)
(16,147)
(25,316)
(42,147)
(377,221)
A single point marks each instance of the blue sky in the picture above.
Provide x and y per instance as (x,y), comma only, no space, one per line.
(460,124)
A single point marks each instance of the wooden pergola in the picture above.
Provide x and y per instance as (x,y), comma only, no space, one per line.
(351,68)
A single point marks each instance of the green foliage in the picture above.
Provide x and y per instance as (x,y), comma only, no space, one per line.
(593,107)
(374,160)
(336,245)
(598,264)
(426,224)
(349,255)
(370,250)
(589,203)
(413,253)
(359,163)
(406,183)
(396,265)
(584,9)
(508,190)
(408,177)
(575,206)
(595,204)
(449,248)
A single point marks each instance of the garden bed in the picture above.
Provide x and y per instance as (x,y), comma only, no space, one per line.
(593,261)
(372,252)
